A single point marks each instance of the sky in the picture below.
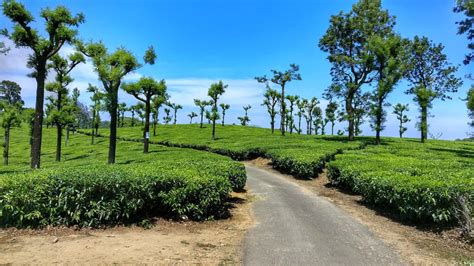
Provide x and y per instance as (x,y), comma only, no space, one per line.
(199,42)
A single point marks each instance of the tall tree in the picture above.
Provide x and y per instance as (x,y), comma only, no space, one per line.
(202,107)
(191,116)
(281,79)
(245,119)
(301,104)
(290,120)
(111,69)
(224,108)
(331,114)
(96,107)
(470,105)
(157,102)
(466,26)
(347,42)
(175,108)
(215,91)
(390,57)
(361,110)
(400,111)
(167,118)
(431,77)
(144,90)
(59,28)
(272,97)
(318,119)
(63,110)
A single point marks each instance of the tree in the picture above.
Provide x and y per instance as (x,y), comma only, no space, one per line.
(245,119)
(470,105)
(389,57)
(121,109)
(347,42)
(399,110)
(144,90)
(466,26)
(4,49)
(157,102)
(215,91)
(431,77)
(10,107)
(361,109)
(318,119)
(272,97)
(140,109)
(10,92)
(224,108)
(175,108)
(59,25)
(167,118)
(331,114)
(62,110)
(191,116)
(289,120)
(202,108)
(281,79)
(135,109)
(96,107)
(301,104)
(111,69)
(309,111)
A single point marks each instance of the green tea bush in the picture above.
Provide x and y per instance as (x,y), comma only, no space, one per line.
(94,196)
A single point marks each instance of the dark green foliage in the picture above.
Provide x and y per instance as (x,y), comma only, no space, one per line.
(399,110)
(466,26)
(470,105)
(10,92)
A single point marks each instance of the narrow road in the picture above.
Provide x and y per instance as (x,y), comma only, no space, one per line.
(296,227)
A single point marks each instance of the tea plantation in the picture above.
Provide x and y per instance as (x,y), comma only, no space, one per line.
(83,190)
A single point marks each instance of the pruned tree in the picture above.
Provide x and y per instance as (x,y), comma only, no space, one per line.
(281,79)
(224,108)
(144,90)
(202,108)
(272,97)
(289,118)
(167,117)
(96,107)
(244,121)
(215,91)
(62,110)
(361,110)
(431,77)
(10,112)
(121,109)
(175,108)
(59,28)
(309,111)
(400,111)
(301,104)
(470,105)
(318,119)
(111,69)
(157,102)
(135,109)
(347,42)
(191,116)
(466,26)
(331,114)
(389,57)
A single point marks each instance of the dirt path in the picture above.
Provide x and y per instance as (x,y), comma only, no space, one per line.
(297,227)
(167,242)
(417,246)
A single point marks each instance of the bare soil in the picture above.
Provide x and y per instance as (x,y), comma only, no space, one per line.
(167,242)
(422,245)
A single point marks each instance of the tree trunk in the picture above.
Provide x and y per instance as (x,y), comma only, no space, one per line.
(133,119)
(113,126)
(202,117)
(93,126)
(67,134)
(424,123)
(332,127)
(350,116)
(400,128)
(299,125)
(146,131)
(223,117)
(38,120)
(59,135)
(282,110)
(378,121)
(7,145)
(272,124)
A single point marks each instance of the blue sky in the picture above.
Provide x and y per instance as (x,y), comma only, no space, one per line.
(200,42)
